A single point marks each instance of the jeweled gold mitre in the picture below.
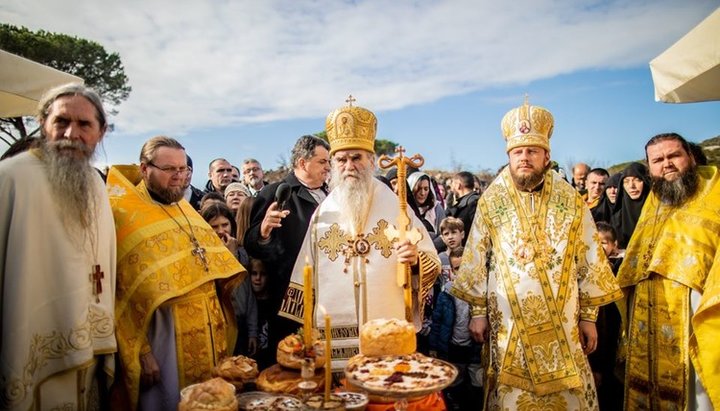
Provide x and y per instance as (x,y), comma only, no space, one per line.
(351,128)
(527,126)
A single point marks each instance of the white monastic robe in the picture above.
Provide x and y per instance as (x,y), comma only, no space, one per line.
(355,288)
(534,266)
(53,329)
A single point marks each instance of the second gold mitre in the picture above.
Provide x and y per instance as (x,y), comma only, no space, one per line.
(351,128)
(527,126)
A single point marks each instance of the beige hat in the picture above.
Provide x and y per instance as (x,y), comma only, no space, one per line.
(237,187)
(527,126)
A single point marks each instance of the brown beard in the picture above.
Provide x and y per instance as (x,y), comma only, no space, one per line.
(71,180)
(678,191)
(527,182)
(166,195)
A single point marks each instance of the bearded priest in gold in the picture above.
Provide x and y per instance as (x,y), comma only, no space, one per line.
(173,284)
(535,273)
(354,260)
(672,274)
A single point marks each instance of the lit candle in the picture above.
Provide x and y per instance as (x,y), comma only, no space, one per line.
(328,353)
(308,304)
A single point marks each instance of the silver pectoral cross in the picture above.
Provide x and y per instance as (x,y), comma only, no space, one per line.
(200,253)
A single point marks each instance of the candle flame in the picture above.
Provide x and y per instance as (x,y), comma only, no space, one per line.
(322,310)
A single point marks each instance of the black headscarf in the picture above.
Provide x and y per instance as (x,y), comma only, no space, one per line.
(604,210)
(626,211)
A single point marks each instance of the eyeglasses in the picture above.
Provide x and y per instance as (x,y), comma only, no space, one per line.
(171,170)
(251,170)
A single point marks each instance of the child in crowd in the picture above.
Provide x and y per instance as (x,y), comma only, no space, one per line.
(258,277)
(245,307)
(603,360)
(609,242)
(450,339)
(452,232)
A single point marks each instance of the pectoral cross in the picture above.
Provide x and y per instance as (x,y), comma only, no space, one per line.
(200,253)
(96,277)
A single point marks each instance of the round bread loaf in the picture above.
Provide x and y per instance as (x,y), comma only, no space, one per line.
(212,395)
(236,370)
(279,380)
(290,352)
(387,337)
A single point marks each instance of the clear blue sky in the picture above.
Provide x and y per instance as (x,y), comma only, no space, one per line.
(245,79)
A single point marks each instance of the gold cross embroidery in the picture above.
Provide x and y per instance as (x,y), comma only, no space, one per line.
(380,240)
(334,241)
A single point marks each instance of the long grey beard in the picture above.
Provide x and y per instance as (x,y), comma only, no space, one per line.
(353,197)
(71,180)
(678,191)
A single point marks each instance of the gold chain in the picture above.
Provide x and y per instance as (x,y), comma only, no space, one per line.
(197,250)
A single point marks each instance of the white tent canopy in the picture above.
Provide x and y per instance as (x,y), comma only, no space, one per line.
(23,82)
(689,71)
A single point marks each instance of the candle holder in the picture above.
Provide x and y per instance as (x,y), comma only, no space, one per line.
(307,371)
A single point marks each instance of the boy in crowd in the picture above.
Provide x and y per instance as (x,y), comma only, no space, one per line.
(602,361)
(452,232)
(450,340)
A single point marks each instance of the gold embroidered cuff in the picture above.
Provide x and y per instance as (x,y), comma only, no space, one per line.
(477,311)
(589,313)
(145,348)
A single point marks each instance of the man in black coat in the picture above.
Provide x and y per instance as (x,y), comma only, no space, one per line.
(275,235)
(463,186)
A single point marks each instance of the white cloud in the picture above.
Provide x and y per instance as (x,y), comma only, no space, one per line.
(195,64)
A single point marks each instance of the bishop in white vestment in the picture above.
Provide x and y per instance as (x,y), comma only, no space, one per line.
(534,272)
(353,257)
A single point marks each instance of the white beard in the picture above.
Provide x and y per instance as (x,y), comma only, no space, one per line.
(71,179)
(354,196)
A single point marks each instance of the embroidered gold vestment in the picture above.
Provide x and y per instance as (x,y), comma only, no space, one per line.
(669,256)
(534,266)
(157,267)
(355,276)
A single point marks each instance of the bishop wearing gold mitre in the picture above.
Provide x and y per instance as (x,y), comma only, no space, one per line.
(535,274)
(353,259)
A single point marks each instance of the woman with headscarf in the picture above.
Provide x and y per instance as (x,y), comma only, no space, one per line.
(604,210)
(431,212)
(635,189)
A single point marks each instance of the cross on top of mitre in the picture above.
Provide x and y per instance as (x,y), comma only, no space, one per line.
(350,100)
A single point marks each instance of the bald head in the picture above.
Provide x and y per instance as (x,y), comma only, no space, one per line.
(579,173)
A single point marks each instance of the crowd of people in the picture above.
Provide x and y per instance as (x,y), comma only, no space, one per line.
(592,291)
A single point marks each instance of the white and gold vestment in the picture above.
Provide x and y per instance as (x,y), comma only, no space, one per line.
(356,272)
(534,266)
